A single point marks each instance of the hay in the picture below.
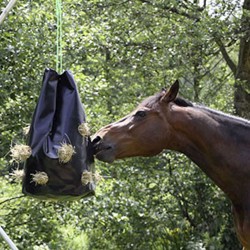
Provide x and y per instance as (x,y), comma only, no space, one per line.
(20,152)
(88,177)
(97,177)
(40,178)
(17,175)
(65,152)
(26,130)
(84,129)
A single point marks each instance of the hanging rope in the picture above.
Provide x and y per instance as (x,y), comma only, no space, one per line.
(59,67)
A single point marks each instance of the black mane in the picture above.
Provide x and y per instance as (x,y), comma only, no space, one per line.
(182,102)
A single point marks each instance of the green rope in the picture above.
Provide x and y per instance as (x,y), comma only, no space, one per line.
(59,36)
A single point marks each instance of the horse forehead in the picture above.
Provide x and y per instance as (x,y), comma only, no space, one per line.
(142,107)
(148,106)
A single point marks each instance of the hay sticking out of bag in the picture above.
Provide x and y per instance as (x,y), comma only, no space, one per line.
(84,129)
(26,130)
(17,175)
(40,178)
(20,152)
(65,152)
(97,177)
(88,177)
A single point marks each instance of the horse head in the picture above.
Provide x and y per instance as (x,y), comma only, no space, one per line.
(143,132)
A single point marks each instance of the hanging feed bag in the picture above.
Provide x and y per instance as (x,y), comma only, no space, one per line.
(61,153)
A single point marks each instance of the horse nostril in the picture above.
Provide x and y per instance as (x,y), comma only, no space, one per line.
(97,139)
(108,147)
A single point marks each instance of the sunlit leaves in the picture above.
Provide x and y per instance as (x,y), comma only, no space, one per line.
(120,52)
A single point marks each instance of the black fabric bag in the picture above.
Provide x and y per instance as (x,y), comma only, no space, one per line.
(55,123)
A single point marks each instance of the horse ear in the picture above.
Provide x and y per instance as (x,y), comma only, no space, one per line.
(171,94)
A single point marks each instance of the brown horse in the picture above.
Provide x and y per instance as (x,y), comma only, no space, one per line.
(218,143)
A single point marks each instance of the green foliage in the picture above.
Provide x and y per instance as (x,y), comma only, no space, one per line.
(119,53)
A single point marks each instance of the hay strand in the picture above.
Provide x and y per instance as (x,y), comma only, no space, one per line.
(88,177)
(97,177)
(17,175)
(84,129)
(20,152)
(26,130)
(40,178)
(65,152)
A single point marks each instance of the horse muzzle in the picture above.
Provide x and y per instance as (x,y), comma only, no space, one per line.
(102,150)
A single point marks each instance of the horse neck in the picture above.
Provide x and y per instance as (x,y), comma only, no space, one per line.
(214,146)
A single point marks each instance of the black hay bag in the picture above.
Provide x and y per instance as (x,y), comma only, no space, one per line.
(61,156)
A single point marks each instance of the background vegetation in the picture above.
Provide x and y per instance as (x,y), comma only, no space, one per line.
(121,51)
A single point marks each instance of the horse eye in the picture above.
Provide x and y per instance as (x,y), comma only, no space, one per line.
(140,113)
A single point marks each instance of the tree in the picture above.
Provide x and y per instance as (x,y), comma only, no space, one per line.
(121,52)
(242,95)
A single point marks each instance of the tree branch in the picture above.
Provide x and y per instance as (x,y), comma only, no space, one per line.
(13,198)
(175,10)
(226,56)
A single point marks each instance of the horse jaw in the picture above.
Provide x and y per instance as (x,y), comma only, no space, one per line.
(108,152)
(105,155)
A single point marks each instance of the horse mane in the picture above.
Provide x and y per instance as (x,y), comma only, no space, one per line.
(215,113)
(182,102)
(153,100)
(221,115)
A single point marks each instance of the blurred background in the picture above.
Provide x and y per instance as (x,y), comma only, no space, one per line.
(121,51)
